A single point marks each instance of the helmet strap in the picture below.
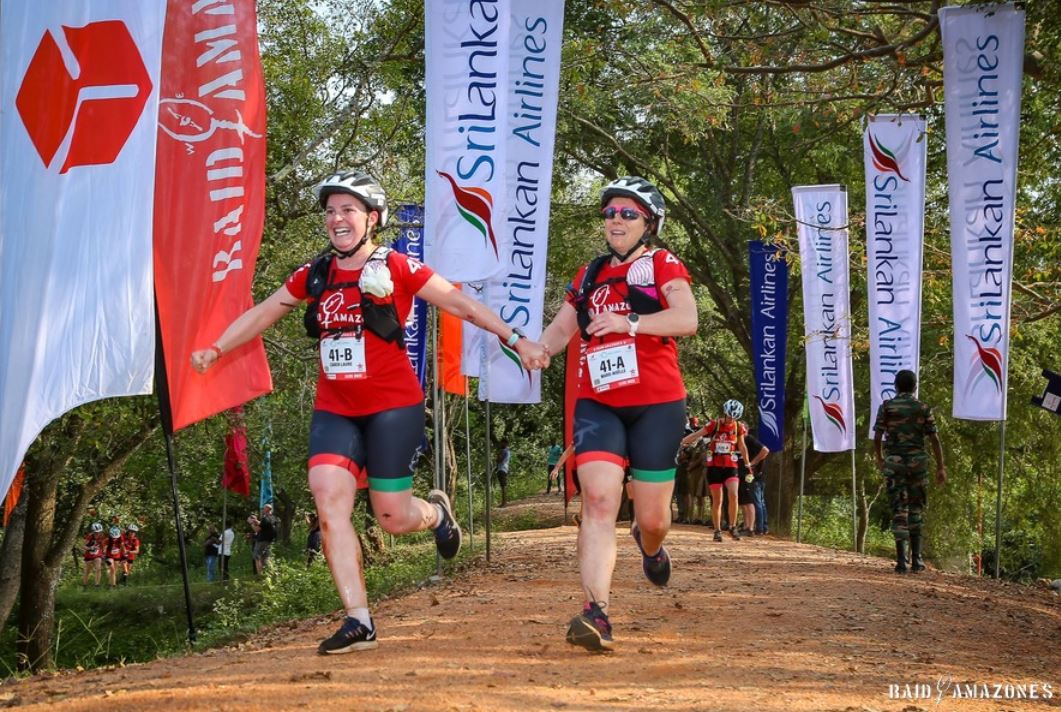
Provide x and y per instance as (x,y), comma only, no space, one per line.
(624,256)
(343,254)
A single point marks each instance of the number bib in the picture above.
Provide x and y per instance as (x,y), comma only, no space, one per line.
(723,448)
(343,358)
(612,366)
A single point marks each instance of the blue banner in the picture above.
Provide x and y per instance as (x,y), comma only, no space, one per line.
(769,287)
(265,490)
(411,242)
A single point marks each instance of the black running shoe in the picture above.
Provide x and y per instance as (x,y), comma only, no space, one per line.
(591,629)
(657,566)
(718,535)
(734,533)
(448,532)
(352,635)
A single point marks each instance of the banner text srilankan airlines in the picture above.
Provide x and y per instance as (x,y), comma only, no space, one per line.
(983,50)
(895,157)
(466,72)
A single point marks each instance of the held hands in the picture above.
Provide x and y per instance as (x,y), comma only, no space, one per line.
(533,354)
(608,323)
(204,359)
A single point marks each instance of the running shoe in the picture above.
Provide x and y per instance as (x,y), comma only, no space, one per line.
(591,629)
(734,533)
(352,635)
(718,535)
(657,566)
(448,532)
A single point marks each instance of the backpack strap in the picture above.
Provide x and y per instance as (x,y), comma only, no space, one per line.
(585,287)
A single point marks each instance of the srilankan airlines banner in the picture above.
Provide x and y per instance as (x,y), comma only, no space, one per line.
(411,242)
(466,57)
(821,215)
(983,59)
(769,289)
(78,115)
(536,35)
(895,157)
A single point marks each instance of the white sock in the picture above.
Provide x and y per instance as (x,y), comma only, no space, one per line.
(441,516)
(362,615)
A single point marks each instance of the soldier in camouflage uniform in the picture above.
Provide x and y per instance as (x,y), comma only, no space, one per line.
(904,423)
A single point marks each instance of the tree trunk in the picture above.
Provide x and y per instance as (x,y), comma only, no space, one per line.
(285,512)
(11,558)
(36,614)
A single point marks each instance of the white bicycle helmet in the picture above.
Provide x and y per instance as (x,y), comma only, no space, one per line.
(133,528)
(646,194)
(358,184)
(97,527)
(733,408)
(115,532)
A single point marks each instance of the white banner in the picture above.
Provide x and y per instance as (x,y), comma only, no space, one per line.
(466,58)
(471,335)
(983,59)
(895,150)
(821,214)
(517,294)
(78,122)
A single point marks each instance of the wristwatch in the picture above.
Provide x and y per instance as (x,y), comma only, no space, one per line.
(634,320)
(517,334)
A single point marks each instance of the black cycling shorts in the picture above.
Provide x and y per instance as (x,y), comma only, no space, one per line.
(387,464)
(644,436)
(745,493)
(718,476)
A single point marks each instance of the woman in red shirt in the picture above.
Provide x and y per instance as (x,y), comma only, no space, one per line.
(726,436)
(631,399)
(368,419)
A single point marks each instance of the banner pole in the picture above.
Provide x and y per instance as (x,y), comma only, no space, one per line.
(224,526)
(489,477)
(435,418)
(468,445)
(165,412)
(802,471)
(854,505)
(998,495)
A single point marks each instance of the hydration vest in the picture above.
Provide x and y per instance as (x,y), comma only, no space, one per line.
(380,319)
(642,298)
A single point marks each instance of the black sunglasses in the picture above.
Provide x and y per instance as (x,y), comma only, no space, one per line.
(625,213)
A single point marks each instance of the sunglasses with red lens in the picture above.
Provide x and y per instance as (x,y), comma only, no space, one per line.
(628,214)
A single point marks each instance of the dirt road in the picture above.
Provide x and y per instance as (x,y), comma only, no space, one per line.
(760,624)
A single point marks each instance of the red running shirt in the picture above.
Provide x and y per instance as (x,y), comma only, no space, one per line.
(132,546)
(93,548)
(390,382)
(723,450)
(115,548)
(657,357)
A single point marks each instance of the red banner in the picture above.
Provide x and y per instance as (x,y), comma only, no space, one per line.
(237,474)
(449,338)
(209,200)
(13,494)
(571,368)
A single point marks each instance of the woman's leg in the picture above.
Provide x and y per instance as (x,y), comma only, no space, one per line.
(731,488)
(716,506)
(601,493)
(334,491)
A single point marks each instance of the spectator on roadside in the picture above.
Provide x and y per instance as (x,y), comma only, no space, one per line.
(228,538)
(746,487)
(313,539)
(555,451)
(264,536)
(501,465)
(212,553)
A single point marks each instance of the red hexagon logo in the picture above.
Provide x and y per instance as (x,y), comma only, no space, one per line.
(95,107)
